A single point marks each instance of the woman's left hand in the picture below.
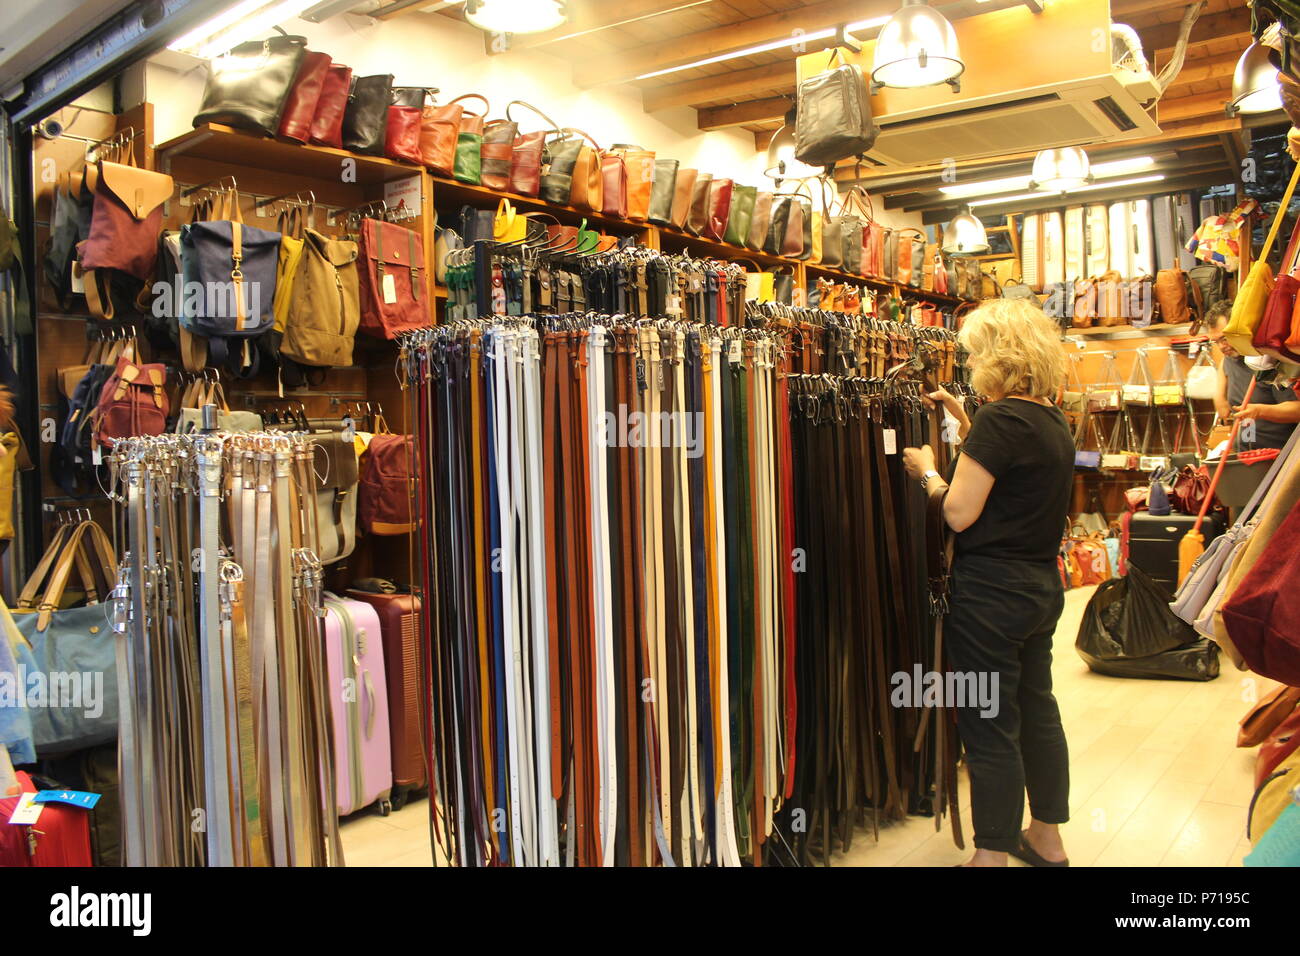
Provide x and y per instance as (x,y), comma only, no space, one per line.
(917,461)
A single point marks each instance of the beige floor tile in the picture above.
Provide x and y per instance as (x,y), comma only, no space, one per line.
(1152,828)
(1209,838)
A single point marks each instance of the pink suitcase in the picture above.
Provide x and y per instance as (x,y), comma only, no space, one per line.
(359,701)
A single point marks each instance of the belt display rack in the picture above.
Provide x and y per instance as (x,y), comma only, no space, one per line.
(630,543)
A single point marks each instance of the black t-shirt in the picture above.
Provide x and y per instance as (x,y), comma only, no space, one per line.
(1028,450)
(1267,434)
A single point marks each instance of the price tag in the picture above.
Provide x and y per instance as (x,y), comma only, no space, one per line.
(390,289)
(733,352)
(891,442)
(97,456)
(78,280)
(75,798)
(27,811)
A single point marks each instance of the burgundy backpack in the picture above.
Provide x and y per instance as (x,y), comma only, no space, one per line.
(385,485)
(132,402)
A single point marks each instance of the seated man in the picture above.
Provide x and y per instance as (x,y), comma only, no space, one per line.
(1272,411)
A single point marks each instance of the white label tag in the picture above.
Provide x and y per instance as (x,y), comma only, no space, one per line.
(78,281)
(27,811)
(390,289)
(733,351)
(97,456)
(891,442)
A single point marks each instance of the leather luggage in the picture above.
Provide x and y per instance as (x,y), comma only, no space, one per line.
(399,628)
(358,696)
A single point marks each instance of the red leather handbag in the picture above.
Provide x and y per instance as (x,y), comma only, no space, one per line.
(300,107)
(1191,487)
(526,157)
(327,120)
(1260,612)
(613,176)
(720,191)
(402,134)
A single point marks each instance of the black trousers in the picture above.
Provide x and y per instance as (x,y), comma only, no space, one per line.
(1002,615)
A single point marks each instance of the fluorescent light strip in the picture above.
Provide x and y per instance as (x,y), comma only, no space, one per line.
(793,40)
(1113,184)
(1118,167)
(244,21)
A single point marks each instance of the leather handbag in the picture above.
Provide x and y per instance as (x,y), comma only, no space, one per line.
(72,640)
(588,179)
(1252,297)
(468,167)
(335,502)
(833,116)
(1274,328)
(783,284)
(439,128)
(125,222)
(247,87)
(132,402)
(366,116)
(759,221)
(698,219)
(327,121)
(1259,612)
(778,225)
(394,288)
(828,234)
(792,240)
(1139,301)
(1170,290)
(910,250)
(683,195)
(613,173)
(476,225)
(741,214)
(639,175)
(1110,300)
(526,153)
(663,193)
(498,147)
(719,208)
(324,311)
(805,232)
(509,226)
(190,417)
(1266,716)
(300,106)
(559,165)
(402,134)
(1083,312)
(1191,487)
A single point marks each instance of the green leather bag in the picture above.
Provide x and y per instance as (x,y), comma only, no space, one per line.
(469,157)
(742,214)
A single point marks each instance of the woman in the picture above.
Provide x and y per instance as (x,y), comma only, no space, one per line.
(1007,501)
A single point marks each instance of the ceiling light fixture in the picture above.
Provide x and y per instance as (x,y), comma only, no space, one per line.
(1112,184)
(965,235)
(1060,170)
(516,16)
(1117,167)
(782,163)
(917,47)
(244,21)
(796,39)
(1255,86)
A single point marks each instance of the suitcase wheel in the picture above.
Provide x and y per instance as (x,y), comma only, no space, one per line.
(399,797)
(385,807)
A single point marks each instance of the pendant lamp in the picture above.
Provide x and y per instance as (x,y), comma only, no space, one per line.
(917,47)
(516,16)
(1059,170)
(781,160)
(965,236)
(1254,83)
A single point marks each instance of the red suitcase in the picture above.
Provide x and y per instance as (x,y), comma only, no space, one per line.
(62,834)
(399,624)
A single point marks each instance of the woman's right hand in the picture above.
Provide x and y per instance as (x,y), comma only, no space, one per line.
(946,399)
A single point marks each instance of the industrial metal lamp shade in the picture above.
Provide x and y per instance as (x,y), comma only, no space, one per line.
(965,236)
(781,161)
(1059,170)
(515,16)
(917,47)
(1254,83)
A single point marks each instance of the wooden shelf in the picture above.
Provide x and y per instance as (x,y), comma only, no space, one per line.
(221,144)
(452,192)
(882,284)
(1114,332)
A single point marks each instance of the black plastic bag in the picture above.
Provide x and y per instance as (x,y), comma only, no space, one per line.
(1129,631)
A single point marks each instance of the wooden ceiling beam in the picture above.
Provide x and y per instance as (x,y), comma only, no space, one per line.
(737,87)
(742,114)
(1161,39)
(1189,107)
(1198,71)
(591,16)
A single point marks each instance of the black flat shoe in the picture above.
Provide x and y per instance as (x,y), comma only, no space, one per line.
(1027,854)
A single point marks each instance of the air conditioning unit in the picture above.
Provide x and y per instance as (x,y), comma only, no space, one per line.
(1032,81)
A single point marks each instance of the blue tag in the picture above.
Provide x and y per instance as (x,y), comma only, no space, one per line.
(76,798)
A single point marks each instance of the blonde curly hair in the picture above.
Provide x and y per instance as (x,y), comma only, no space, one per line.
(1014,350)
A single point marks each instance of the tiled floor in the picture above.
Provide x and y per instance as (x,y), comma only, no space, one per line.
(1155,778)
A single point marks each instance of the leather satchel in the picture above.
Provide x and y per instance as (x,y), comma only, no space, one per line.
(1171,295)
(395,292)
(641,168)
(327,121)
(1190,489)
(337,474)
(497,149)
(683,194)
(468,167)
(663,192)
(759,221)
(741,215)
(777,225)
(247,87)
(613,173)
(719,208)
(385,485)
(833,118)
(439,129)
(321,325)
(402,134)
(300,106)
(125,222)
(698,219)
(366,117)
(527,151)
(559,166)
(828,233)
(792,242)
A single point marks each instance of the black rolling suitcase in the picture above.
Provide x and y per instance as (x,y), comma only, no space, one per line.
(1153,543)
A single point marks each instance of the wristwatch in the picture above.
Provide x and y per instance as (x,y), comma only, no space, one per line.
(925,479)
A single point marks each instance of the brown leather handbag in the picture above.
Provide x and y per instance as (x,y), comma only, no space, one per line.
(1265,717)
(683,193)
(587,191)
(720,191)
(639,172)
(439,130)
(497,151)
(1110,299)
(300,107)
(526,154)
(327,120)
(908,239)
(698,219)
(613,176)
(759,222)
(793,243)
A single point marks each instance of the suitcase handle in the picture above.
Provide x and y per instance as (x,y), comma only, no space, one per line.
(371,712)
